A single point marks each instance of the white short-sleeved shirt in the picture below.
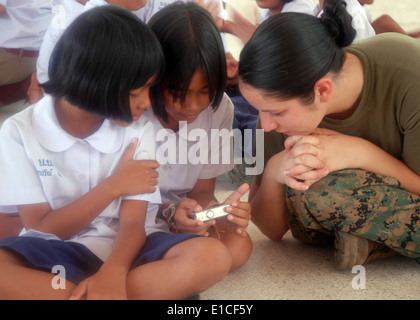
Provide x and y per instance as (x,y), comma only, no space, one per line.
(179,174)
(40,162)
(153,6)
(303,6)
(360,21)
(24,22)
(69,11)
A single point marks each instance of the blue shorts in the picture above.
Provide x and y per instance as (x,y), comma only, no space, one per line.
(78,261)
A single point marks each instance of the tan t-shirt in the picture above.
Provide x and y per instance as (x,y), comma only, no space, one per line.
(389,111)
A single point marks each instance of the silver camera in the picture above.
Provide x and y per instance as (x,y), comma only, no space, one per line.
(212,213)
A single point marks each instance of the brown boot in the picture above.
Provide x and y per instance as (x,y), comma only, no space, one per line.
(351,250)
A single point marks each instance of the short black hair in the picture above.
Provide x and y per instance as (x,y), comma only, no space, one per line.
(190,39)
(291,51)
(104,54)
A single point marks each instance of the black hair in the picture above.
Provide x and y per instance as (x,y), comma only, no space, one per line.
(290,51)
(190,39)
(103,55)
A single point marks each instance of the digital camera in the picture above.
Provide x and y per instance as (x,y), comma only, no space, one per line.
(212,213)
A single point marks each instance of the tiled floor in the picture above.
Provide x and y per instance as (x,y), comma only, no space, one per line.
(292,270)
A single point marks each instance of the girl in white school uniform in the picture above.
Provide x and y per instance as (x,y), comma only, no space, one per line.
(188,106)
(69,10)
(67,164)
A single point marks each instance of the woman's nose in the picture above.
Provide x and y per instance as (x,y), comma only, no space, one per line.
(267,122)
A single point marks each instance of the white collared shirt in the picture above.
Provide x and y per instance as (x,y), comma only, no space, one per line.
(178,177)
(303,6)
(43,163)
(24,22)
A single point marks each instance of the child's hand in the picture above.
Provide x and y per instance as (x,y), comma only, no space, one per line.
(184,221)
(239,213)
(135,176)
(236,221)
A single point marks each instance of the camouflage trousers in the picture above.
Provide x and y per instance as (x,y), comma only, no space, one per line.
(366,204)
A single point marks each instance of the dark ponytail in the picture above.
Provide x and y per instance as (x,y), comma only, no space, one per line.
(291,51)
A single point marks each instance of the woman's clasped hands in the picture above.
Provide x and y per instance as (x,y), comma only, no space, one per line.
(309,158)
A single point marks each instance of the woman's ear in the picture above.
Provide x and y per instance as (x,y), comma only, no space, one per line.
(323,89)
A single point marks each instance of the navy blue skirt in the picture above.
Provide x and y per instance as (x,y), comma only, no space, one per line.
(78,261)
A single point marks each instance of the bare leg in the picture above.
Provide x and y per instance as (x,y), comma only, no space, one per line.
(186,269)
(240,248)
(17,281)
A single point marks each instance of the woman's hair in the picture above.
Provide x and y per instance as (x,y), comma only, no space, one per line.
(103,55)
(290,52)
(190,40)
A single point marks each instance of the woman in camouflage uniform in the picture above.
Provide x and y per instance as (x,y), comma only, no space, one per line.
(342,132)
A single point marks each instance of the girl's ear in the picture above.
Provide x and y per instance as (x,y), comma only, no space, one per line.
(323,89)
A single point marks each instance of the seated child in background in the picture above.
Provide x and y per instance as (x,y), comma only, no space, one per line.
(23,24)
